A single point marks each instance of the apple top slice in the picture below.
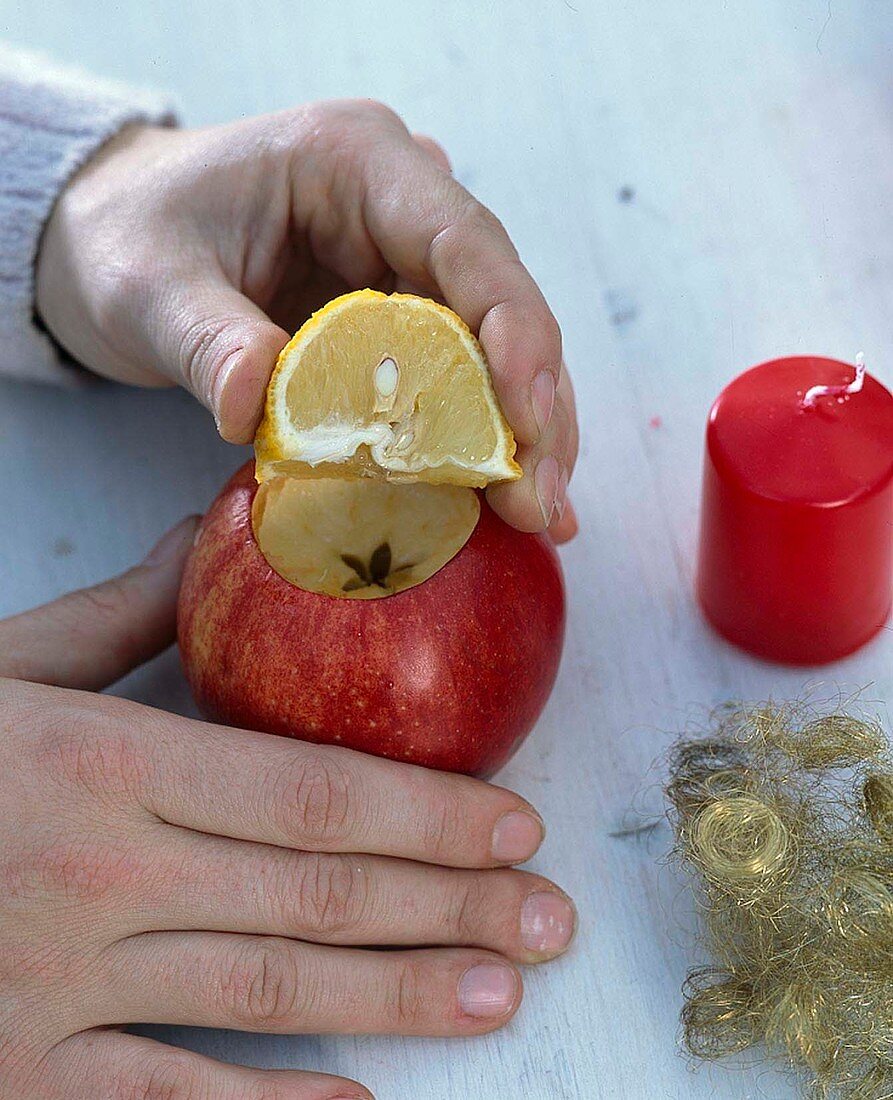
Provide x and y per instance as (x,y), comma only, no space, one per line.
(360,539)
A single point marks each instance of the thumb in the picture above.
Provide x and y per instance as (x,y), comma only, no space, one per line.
(90,638)
(222,348)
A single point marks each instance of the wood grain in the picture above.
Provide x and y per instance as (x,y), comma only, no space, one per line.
(698,186)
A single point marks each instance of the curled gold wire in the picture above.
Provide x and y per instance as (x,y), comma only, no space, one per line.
(785,820)
(739,839)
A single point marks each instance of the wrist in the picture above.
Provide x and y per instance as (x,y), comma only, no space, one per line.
(80,254)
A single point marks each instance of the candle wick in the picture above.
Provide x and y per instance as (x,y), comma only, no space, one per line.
(815,392)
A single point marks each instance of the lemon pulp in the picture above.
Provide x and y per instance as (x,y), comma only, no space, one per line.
(389,386)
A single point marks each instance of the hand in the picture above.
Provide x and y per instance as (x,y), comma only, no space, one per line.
(191,257)
(157,869)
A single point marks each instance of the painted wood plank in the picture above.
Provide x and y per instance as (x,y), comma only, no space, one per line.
(698,186)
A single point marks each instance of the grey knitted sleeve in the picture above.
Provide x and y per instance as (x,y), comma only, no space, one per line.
(52,120)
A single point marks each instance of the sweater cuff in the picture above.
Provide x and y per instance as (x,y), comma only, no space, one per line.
(52,120)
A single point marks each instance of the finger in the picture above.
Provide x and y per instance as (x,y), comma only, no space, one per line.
(274,790)
(471,261)
(223,349)
(434,150)
(270,984)
(537,501)
(90,638)
(82,1068)
(570,443)
(434,234)
(209,883)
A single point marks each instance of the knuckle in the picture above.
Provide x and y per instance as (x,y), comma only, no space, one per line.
(203,349)
(80,870)
(377,109)
(331,894)
(431,143)
(348,124)
(466,909)
(468,223)
(318,802)
(260,987)
(481,219)
(107,609)
(471,218)
(107,601)
(445,826)
(169,1077)
(309,126)
(366,110)
(91,754)
(26,963)
(408,1008)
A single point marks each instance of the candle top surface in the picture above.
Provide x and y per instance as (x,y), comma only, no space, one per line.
(761,434)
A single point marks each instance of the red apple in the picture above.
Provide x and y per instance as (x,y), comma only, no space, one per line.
(451,672)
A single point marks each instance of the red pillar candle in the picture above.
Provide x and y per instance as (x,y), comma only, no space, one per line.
(796,549)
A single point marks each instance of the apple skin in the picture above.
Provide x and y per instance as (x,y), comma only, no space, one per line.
(450,674)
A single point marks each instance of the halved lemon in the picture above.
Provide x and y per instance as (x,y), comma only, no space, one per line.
(394,387)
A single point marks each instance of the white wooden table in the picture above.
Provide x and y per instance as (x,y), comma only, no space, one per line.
(699,185)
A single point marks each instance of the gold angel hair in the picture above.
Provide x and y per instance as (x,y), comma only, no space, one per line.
(786,822)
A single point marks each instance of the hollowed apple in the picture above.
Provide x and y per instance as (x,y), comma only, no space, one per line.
(406,620)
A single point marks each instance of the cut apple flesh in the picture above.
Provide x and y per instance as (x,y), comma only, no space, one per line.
(360,539)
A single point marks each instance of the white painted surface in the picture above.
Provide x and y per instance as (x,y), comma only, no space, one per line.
(755,139)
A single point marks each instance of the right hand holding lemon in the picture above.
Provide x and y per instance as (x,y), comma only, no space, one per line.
(190,256)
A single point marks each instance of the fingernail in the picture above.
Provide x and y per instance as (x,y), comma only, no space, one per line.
(561,495)
(547,923)
(516,836)
(542,396)
(546,480)
(172,544)
(487,990)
